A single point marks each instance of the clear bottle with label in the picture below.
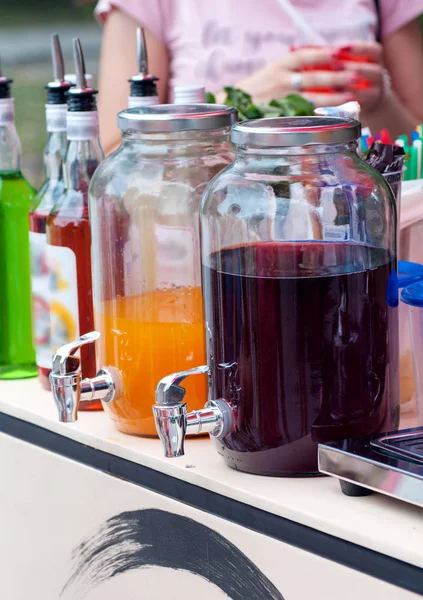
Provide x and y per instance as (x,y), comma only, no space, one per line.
(17,357)
(144,209)
(46,198)
(68,226)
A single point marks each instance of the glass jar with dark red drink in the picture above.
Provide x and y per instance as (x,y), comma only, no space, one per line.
(299,284)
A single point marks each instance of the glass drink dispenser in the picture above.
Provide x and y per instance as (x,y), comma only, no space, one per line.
(299,282)
(144,208)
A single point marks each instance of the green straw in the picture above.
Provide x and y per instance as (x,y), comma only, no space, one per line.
(413,163)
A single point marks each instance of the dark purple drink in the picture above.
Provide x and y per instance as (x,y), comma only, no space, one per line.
(315,345)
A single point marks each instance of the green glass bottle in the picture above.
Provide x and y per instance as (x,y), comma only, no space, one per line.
(17,357)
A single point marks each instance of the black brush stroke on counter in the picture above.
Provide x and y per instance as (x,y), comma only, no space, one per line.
(364,560)
(157,538)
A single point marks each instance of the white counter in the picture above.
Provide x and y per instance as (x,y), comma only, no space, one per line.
(375,522)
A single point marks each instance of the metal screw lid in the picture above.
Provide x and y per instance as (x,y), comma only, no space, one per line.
(169,118)
(295,131)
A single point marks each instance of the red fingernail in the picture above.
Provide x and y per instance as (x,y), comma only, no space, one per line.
(338,67)
(345,49)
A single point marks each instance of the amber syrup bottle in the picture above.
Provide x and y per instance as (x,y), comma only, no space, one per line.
(68,226)
(50,192)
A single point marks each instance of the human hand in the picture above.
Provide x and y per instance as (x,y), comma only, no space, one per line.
(291,75)
(365,61)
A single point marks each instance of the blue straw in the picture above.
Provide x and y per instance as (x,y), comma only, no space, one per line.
(415,136)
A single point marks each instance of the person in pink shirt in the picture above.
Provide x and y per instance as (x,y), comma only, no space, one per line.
(248,45)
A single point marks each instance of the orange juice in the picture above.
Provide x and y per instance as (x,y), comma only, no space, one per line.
(147,337)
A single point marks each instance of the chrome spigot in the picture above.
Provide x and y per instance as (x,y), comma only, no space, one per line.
(173,422)
(68,387)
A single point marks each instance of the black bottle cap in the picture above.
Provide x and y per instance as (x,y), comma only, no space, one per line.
(57,93)
(5,91)
(143,86)
(81,100)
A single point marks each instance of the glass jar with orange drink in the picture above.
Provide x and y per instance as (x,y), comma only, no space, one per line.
(144,207)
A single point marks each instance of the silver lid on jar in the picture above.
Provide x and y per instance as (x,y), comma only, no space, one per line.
(169,118)
(295,131)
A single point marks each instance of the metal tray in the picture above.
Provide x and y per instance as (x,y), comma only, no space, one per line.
(391,464)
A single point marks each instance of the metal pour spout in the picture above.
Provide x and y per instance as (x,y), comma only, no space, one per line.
(68,387)
(57,58)
(58,88)
(80,98)
(142,58)
(79,60)
(143,89)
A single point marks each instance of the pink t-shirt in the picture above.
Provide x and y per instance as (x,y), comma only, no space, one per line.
(218,42)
